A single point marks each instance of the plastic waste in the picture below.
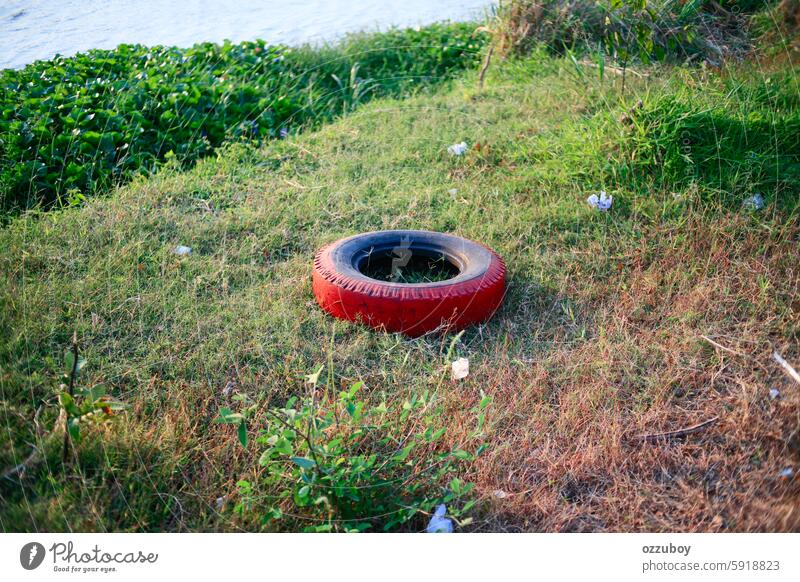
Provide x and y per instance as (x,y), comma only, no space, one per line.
(601,203)
(460,369)
(439,523)
(754,202)
(457,149)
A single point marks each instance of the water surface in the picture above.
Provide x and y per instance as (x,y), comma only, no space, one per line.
(39,29)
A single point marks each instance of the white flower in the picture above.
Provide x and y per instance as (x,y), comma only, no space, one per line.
(439,523)
(457,149)
(460,369)
(774,393)
(602,203)
(755,202)
(181,250)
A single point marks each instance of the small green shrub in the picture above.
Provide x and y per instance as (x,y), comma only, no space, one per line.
(82,405)
(649,31)
(74,126)
(340,463)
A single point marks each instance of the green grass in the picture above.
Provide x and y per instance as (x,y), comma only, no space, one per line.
(600,337)
(737,138)
(418,269)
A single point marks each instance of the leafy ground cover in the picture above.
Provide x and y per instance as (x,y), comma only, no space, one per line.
(659,314)
(72,127)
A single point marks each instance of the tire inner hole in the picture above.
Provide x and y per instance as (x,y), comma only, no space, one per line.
(407,265)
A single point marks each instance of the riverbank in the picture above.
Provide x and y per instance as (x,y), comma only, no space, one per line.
(74,127)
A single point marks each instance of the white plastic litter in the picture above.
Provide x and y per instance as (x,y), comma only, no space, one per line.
(439,523)
(459,369)
(786,473)
(500,494)
(230,386)
(774,393)
(457,149)
(755,202)
(181,250)
(453,192)
(602,203)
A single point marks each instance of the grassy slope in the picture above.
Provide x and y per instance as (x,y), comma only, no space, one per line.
(599,338)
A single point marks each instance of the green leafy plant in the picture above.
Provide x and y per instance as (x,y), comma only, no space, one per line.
(648,31)
(82,405)
(75,126)
(238,419)
(341,463)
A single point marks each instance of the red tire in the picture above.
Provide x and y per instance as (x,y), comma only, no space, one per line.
(471,296)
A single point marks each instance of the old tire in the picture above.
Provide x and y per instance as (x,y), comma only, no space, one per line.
(471,296)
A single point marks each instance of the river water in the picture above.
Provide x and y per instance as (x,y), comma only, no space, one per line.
(40,29)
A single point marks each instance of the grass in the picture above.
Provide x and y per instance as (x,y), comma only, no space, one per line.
(657,315)
(418,268)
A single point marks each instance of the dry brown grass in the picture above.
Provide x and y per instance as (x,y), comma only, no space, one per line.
(520,24)
(789,11)
(566,425)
